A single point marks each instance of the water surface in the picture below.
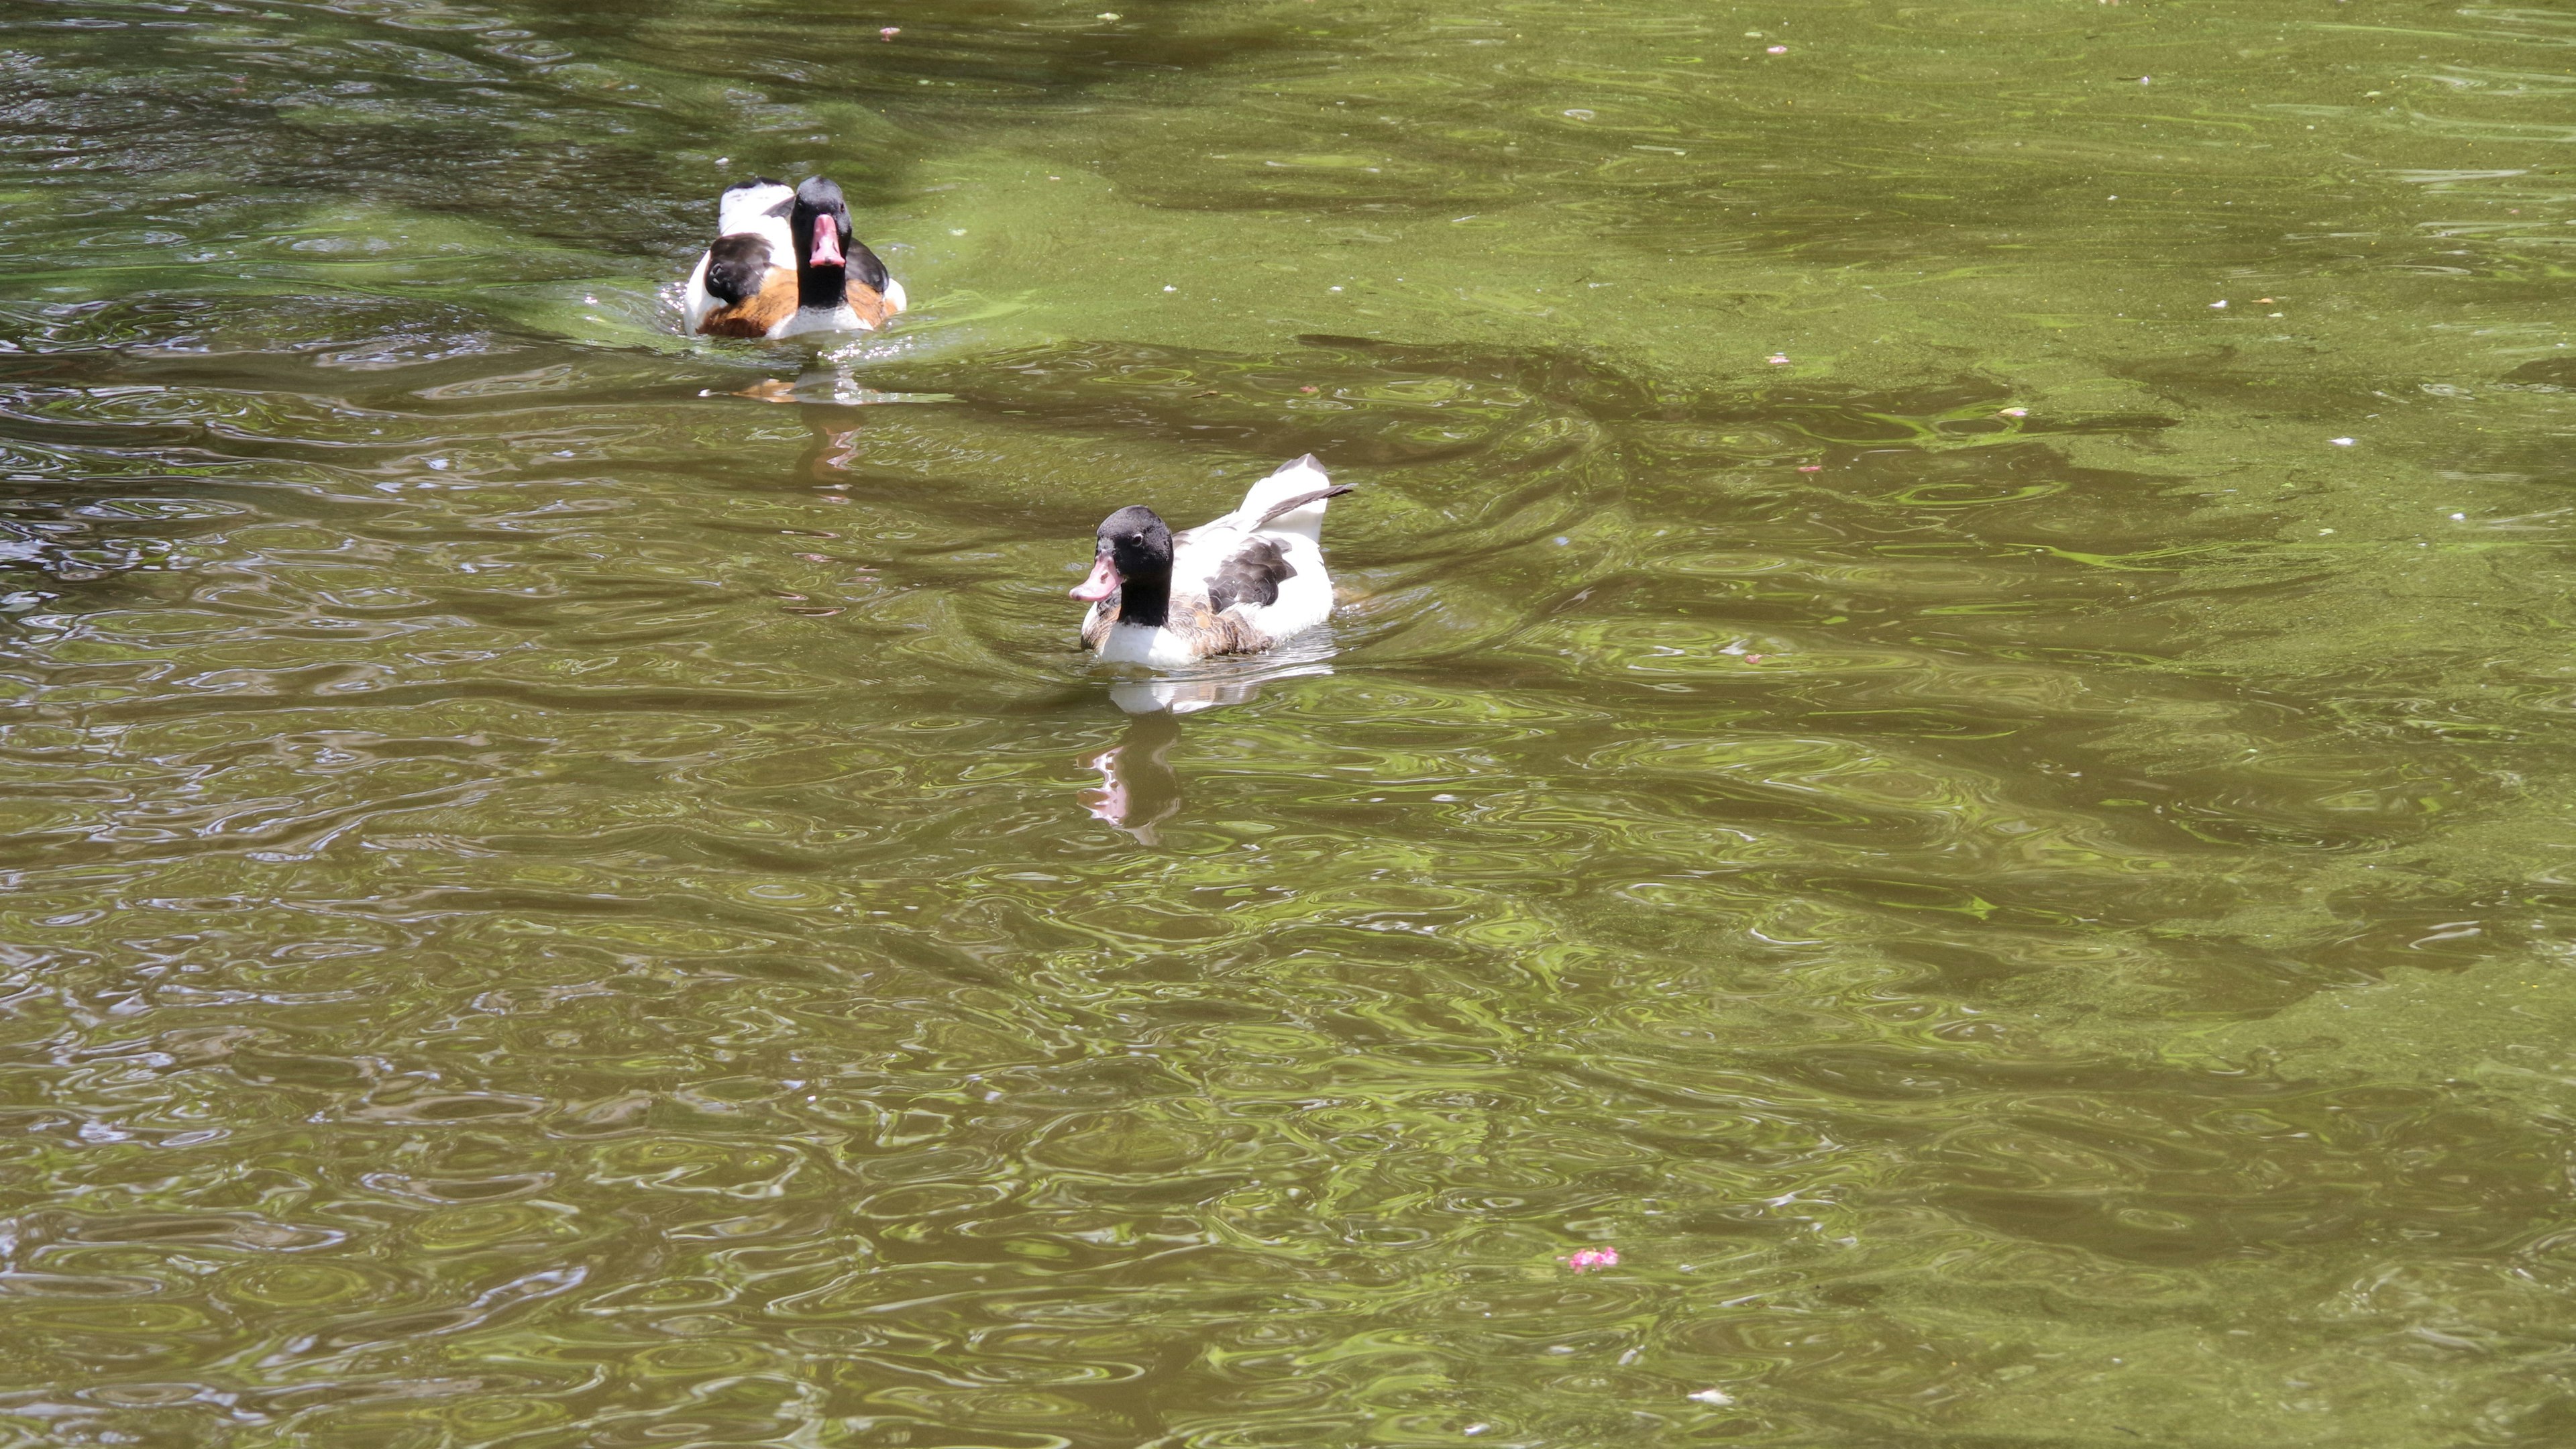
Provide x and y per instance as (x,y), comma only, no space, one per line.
(1997,826)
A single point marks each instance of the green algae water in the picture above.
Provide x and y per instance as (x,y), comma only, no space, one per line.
(1950,727)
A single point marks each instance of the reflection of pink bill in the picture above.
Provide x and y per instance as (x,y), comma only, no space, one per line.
(1589,1258)
(1109,802)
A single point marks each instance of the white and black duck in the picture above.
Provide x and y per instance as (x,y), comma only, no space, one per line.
(1237,585)
(786,263)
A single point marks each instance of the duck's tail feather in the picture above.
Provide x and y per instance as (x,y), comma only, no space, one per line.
(1301,500)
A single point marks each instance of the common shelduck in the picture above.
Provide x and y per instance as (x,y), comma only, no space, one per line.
(785,263)
(1234,586)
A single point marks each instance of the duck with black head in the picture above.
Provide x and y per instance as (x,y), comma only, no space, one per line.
(1237,585)
(788,263)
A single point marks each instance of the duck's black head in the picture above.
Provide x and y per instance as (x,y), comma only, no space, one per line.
(828,256)
(1133,561)
(819,224)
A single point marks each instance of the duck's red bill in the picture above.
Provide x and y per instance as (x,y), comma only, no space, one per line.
(1102,583)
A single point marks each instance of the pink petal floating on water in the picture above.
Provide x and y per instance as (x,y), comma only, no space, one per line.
(1777,50)
(1811,467)
(1778,359)
(890,32)
(1585,1259)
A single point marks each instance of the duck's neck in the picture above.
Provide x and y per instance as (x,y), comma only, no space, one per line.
(1145,600)
(822,288)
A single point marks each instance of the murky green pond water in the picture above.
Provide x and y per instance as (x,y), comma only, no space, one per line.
(1998,827)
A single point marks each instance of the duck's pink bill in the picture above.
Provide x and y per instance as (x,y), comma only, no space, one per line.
(1102,583)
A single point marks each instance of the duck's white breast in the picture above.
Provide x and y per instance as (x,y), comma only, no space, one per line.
(816,319)
(1152,648)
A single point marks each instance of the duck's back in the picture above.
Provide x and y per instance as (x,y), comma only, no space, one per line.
(759,207)
(1262,565)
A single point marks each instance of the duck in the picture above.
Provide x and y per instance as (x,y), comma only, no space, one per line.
(1236,585)
(785,263)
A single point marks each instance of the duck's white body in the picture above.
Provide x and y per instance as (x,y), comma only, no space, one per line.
(1215,565)
(760,208)
(696,302)
(1159,648)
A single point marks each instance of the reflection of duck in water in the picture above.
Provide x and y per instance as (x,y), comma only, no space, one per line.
(786,263)
(1235,586)
(1138,787)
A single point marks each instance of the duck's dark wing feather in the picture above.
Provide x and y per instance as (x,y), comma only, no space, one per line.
(736,266)
(1252,576)
(864,266)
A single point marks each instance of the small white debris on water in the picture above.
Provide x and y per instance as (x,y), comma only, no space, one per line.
(1472,1430)
(1579,114)
(2340,442)
(2219,304)
(1720,1397)
(1171,289)
(1108,15)
(2459,518)
(1336,289)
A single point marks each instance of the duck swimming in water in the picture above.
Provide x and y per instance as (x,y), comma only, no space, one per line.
(1237,585)
(786,263)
